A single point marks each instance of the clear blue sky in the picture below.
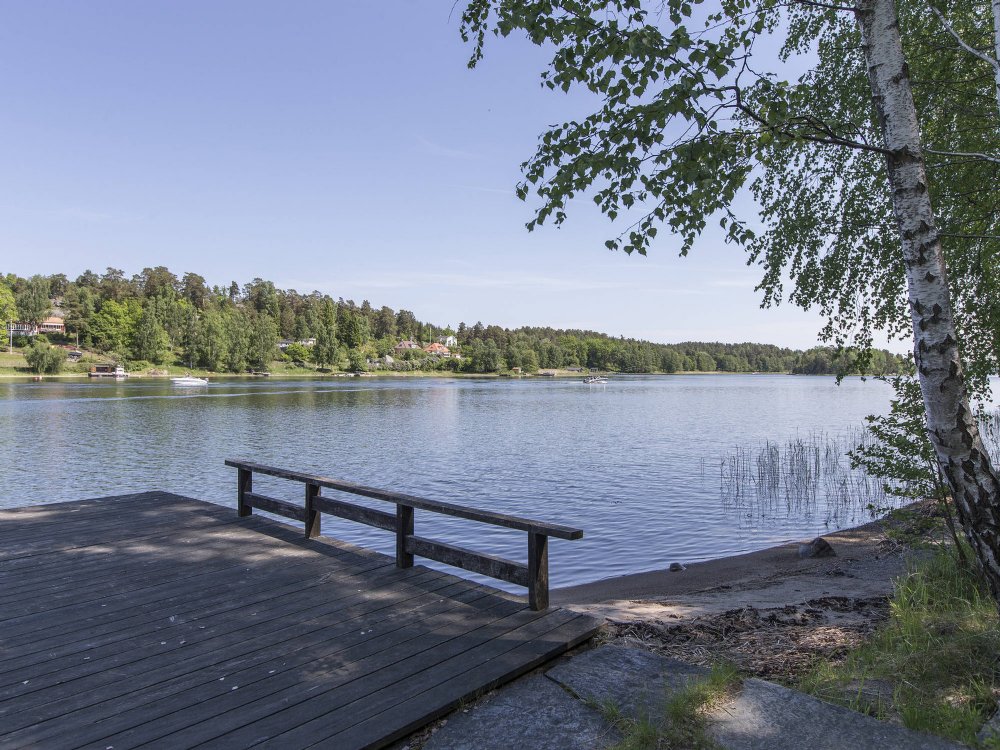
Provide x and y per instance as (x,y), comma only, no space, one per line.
(339,146)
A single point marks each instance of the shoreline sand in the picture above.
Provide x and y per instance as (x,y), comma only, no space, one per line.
(865,566)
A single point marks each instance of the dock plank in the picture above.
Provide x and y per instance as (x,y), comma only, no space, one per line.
(115,697)
(152,653)
(223,610)
(106,713)
(443,690)
(264,559)
(163,621)
(212,594)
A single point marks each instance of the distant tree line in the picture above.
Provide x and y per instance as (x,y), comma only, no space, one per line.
(158,317)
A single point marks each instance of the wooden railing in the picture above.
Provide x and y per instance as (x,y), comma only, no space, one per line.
(534,576)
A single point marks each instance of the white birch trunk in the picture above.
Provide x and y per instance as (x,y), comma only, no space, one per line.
(951,424)
(996,46)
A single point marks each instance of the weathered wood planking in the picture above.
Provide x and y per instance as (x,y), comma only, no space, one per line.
(163,621)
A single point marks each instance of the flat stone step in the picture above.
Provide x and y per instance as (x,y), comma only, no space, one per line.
(763,716)
(766,715)
(638,683)
(540,712)
(533,713)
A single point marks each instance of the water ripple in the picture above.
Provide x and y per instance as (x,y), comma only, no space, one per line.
(634,463)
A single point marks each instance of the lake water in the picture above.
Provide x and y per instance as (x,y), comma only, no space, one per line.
(635,463)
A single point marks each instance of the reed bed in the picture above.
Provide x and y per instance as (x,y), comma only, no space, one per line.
(811,475)
(805,476)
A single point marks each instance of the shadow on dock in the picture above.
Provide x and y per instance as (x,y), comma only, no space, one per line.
(164,621)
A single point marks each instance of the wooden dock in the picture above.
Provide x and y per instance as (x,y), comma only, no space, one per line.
(161,621)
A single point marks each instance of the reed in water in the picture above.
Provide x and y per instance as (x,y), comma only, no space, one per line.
(813,474)
(804,476)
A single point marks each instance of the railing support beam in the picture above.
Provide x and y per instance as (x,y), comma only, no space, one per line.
(404,529)
(313,516)
(538,571)
(244,484)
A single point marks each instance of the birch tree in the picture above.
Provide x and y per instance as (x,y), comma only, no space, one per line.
(690,110)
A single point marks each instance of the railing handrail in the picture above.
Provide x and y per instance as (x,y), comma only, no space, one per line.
(399,498)
(534,575)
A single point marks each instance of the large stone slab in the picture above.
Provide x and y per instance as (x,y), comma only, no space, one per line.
(638,683)
(762,716)
(534,713)
(991,729)
(766,716)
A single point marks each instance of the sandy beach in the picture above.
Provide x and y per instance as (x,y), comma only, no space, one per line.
(864,566)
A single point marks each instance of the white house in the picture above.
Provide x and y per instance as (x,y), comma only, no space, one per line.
(19,328)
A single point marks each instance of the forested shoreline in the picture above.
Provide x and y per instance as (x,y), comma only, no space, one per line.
(157,318)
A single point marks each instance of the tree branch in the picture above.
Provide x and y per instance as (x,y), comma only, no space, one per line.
(968,155)
(995,64)
(830,138)
(828,6)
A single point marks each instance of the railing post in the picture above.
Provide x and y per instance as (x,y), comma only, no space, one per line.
(404,528)
(244,484)
(538,571)
(313,516)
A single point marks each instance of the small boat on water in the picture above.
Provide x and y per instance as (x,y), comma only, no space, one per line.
(108,371)
(595,380)
(189,380)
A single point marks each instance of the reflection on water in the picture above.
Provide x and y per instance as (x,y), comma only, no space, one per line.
(625,461)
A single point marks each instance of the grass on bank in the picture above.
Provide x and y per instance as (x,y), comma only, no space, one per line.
(11,361)
(940,651)
(683,724)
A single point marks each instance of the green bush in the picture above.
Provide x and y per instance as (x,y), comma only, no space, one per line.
(44,358)
(356,361)
(297,352)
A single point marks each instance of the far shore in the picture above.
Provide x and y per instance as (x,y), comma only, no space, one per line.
(306,375)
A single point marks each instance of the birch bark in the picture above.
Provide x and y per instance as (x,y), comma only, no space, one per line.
(996,46)
(951,424)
